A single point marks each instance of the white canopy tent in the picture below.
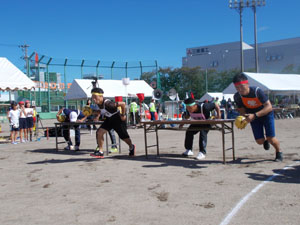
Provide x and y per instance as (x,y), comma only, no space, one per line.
(81,89)
(209,95)
(12,79)
(281,84)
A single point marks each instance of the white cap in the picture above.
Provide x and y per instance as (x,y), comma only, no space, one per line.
(73,116)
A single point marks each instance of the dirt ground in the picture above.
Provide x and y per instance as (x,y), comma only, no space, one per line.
(41,186)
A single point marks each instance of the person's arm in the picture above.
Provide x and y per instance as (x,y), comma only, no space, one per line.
(23,111)
(264,111)
(217,108)
(96,116)
(59,112)
(123,108)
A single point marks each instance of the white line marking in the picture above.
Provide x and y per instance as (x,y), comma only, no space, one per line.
(245,199)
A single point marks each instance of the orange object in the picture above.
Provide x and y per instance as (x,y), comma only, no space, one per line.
(47,133)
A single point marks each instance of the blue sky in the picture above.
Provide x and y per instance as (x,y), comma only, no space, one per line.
(135,30)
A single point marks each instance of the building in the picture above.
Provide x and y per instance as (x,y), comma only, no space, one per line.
(273,57)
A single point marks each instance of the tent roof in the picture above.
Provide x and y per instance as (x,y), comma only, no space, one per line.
(11,78)
(81,88)
(209,95)
(270,82)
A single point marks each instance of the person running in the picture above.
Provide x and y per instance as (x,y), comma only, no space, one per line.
(29,119)
(13,118)
(71,116)
(255,106)
(22,123)
(197,111)
(113,120)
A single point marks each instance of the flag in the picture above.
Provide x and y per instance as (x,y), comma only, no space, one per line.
(192,95)
(36,59)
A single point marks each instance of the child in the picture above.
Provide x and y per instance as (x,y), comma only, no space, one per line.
(22,122)
(29,119)
(13,117)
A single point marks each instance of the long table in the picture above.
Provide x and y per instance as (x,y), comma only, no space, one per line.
(226,126)
(71,124)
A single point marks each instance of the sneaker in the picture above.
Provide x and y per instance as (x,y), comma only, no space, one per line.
(279,157)
(200,156)
(188,152)
(266,145)
(76,148)
(69,147)
(97,154)
(113,150)
(132,151)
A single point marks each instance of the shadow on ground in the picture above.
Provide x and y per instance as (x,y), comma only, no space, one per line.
(288,175)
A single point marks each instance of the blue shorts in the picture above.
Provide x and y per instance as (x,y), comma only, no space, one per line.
(29,122)
(13,129)
(22,123)
(266,122)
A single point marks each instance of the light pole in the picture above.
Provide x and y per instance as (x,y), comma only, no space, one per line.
(239,5)
(254,4)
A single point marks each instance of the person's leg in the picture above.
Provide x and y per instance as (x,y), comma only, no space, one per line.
(121,128)
(100,138)
(189,137)
(77,135)
(21,135)
(203,141)
(12,136)
(112,138)
(258,131)
(66,134)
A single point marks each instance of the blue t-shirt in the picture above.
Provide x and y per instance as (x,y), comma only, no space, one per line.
(254,94)
(68,111)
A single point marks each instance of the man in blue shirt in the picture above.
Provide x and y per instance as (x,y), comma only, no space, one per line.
(256,107)
(71,116)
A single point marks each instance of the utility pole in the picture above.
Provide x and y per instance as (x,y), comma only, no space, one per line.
(25,50)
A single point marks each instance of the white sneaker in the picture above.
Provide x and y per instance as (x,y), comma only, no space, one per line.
(188,152)
(200,156)
(69,147)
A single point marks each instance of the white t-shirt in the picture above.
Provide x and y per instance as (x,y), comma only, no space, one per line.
(14,117)
(22,115)
(29,112)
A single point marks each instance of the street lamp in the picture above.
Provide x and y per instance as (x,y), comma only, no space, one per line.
(239,5)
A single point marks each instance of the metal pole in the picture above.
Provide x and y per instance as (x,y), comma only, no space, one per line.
(40,95)
(241,38)
(141,69)
(48,80)
(65,79)
(111,70)
(82,68)
(255,39)
(206,83)
(126,64)
(97,66)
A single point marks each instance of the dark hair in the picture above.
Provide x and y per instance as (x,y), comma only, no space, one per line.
(97,90)
(89,100)
(13,103)
(189,101)
(239,77)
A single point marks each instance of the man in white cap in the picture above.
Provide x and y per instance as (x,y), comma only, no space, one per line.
(71,116)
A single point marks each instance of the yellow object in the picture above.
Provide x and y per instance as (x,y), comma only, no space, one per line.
(95,93)
(61,118)
(87,111)
(240,122)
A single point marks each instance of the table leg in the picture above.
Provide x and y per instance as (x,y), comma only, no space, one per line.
(145,137)
(223,142)
(157,145)
(56,137)
(232,134)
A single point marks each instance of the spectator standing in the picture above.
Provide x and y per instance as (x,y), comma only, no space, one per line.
(13,118)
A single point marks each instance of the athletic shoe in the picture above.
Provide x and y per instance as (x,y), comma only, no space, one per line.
(77,148)
(279,157)
(132,151)
(97,154)
(69,147)
(188,152)
(266,145)
(14,143)
(200,156)
(113,150)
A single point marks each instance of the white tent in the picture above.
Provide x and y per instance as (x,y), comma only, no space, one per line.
(209,95)
(81,89)
(270,82)
(11,78)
